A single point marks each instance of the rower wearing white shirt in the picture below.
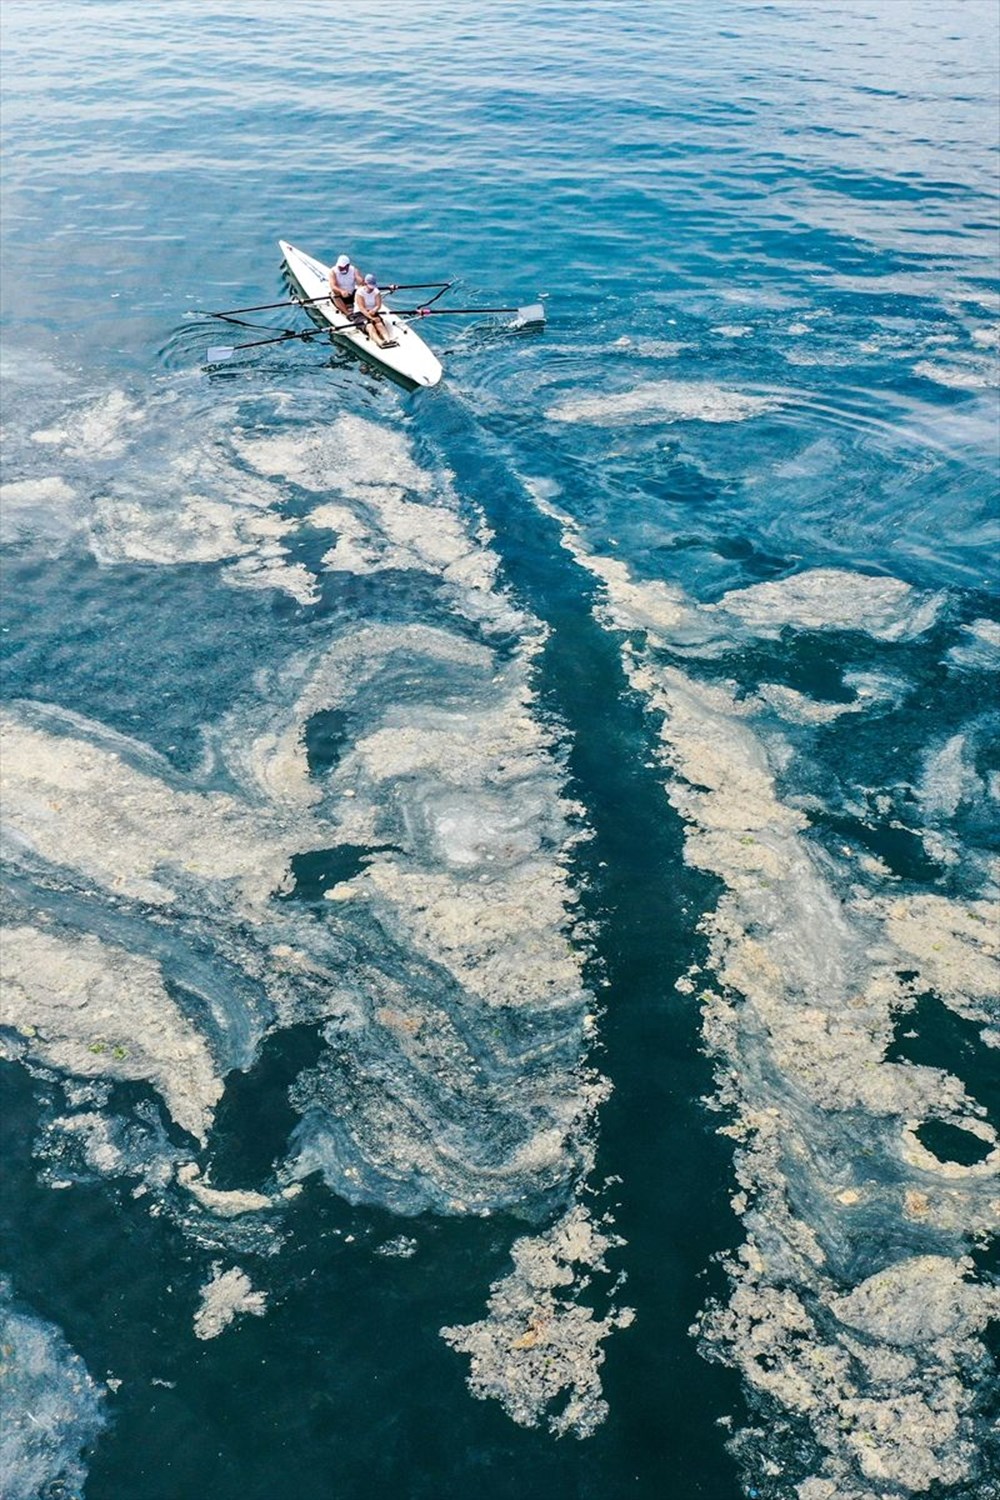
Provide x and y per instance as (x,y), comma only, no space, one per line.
(368,303)
(344,282)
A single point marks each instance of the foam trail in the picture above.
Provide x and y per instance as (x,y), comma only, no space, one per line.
(881,1355)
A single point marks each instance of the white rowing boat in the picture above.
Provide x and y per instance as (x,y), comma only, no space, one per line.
(406,357)
(411,361)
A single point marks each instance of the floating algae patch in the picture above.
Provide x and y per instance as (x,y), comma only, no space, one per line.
(950,778)
(89,1009)
(389,512)
(979,651)
(102,831)
(886,1383)
(953,947)
(664,401)
(224,1297)
(538,1351)
(76,800)
(832,599)
(167,507)
(855,1314)
(375,844)
(94,1135)
(145,942)
(462,1086)
(464,912)
(203,531)
(30,508)
(207,509)
(361,452)
(103,428)
(52,1409)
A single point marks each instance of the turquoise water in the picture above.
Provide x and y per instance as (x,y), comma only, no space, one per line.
(500,920)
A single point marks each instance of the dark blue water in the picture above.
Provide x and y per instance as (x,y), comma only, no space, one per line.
(500,930)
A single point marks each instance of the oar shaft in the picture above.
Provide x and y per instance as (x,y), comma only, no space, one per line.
(267,306)
(289,335)
(282,338)
(537,312)
(447,312)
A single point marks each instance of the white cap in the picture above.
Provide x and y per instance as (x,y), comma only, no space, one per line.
(343,261)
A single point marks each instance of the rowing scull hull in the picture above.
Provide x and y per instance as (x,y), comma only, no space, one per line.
(410,362)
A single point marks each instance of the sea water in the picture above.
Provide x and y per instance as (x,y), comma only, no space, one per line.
(500,933)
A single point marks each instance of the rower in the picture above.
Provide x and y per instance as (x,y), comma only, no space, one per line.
(344,282)
(368,303)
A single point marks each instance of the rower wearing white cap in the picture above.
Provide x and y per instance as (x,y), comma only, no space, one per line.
(344,282)
(368,305)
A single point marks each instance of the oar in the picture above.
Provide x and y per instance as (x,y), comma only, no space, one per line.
(407,286)
(223,351)
(535,313)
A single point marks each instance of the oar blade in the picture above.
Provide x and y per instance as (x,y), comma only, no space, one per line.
(220,353)
(533,313)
